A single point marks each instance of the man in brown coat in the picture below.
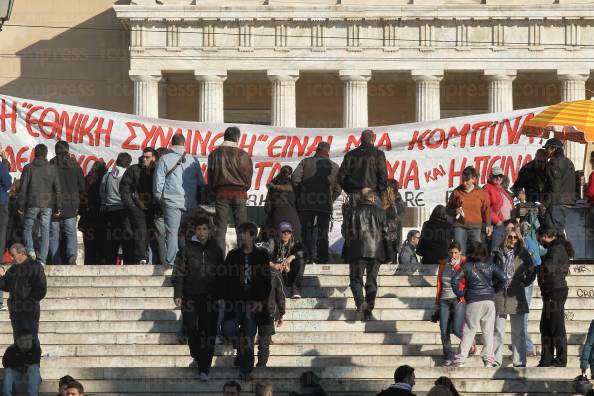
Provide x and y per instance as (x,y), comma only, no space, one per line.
(230,171)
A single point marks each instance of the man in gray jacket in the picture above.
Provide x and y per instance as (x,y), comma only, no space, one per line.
(316,185)
(176,180)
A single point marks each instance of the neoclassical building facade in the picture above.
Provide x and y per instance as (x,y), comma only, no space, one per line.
(355,63)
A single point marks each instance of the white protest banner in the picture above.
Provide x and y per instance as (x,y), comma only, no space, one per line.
(425,158)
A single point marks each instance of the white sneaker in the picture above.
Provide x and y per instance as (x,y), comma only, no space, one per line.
(143,262)
(33,256)
(203,377)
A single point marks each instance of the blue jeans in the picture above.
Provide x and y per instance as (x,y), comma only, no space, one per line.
(241,329)
(32,378)
(451,320)
(44,227)
(173,218)
(529,344)
(497,237)
(463,236)
(69,226)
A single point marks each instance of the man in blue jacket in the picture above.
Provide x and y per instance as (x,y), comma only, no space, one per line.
(176,180)
(5,184)
(587,357)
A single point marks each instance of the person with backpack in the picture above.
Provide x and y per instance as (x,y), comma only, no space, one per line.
(176,181)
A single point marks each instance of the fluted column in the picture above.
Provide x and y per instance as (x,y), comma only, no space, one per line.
(162,99)
(284,112)
(501,93)
(573,87)
(146,94)
(355,111)
(211,103)
(428,104)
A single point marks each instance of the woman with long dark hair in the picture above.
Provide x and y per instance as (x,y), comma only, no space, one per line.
(436,236)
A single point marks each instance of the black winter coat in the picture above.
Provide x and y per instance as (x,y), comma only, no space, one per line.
(365,232)
(316,184)
(362,167)
(136,188)
(197,269)
(560,187)
(15,359)
(482,281)
(231,284)
(27,286)
(395,392)
(40,186)
(72,185)
(436,236)
(532,180)
(554,268)
(281,206)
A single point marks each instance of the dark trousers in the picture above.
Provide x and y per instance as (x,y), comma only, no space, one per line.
(552,329)
(240,327)
(225,210)
(356,271)
(138,221)
(265,333)
(118,234)
(3,227)
(294,278)
(556,217)
(315,230)
(18,325)
(94,240)
(200,322)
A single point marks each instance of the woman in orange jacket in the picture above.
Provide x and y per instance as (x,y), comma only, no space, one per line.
(451,308)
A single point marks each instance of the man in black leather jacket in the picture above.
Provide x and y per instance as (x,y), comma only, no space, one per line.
(196,283)
(364,167)
(365,233)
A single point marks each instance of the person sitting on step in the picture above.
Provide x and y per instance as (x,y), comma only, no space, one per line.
(21,364)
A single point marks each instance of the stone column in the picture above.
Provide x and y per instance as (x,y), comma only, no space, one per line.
(501,94)
(146,94)
(428,106)
(573,87)
(355,111)
(283,97)
(162,99)
(211,104)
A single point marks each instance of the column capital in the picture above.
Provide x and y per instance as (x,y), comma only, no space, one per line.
(427,75)
(500,75)
(145,76)
(573,75)
(283,75)
(355,75)
(210,75)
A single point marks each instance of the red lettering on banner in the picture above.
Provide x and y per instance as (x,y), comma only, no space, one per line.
(273,146)
(66,125)
(299,145)
(248,147)
(385,141)
(276,167)
(513,133)
(198,138)
(406,174)
(481,165)
(352,141)
(43,122)
(85,130)
(492,133)
(418,140)
(127,145)
(434,174)
(203,167)
(455,133)
(479,128)
(100,131)
(29,121)
(456,172)
(212,145)
(430,140)
(12,116)
(260,166)
(314,145)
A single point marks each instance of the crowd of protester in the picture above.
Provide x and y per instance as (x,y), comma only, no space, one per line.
(490,243)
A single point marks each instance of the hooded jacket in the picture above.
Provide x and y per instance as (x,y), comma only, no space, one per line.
(363,167)
(481,281)
(72,185)
(40,186)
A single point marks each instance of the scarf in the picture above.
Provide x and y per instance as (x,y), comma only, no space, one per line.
(402,385)
(510,265)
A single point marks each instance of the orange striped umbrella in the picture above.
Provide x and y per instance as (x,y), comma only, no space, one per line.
(572,121)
